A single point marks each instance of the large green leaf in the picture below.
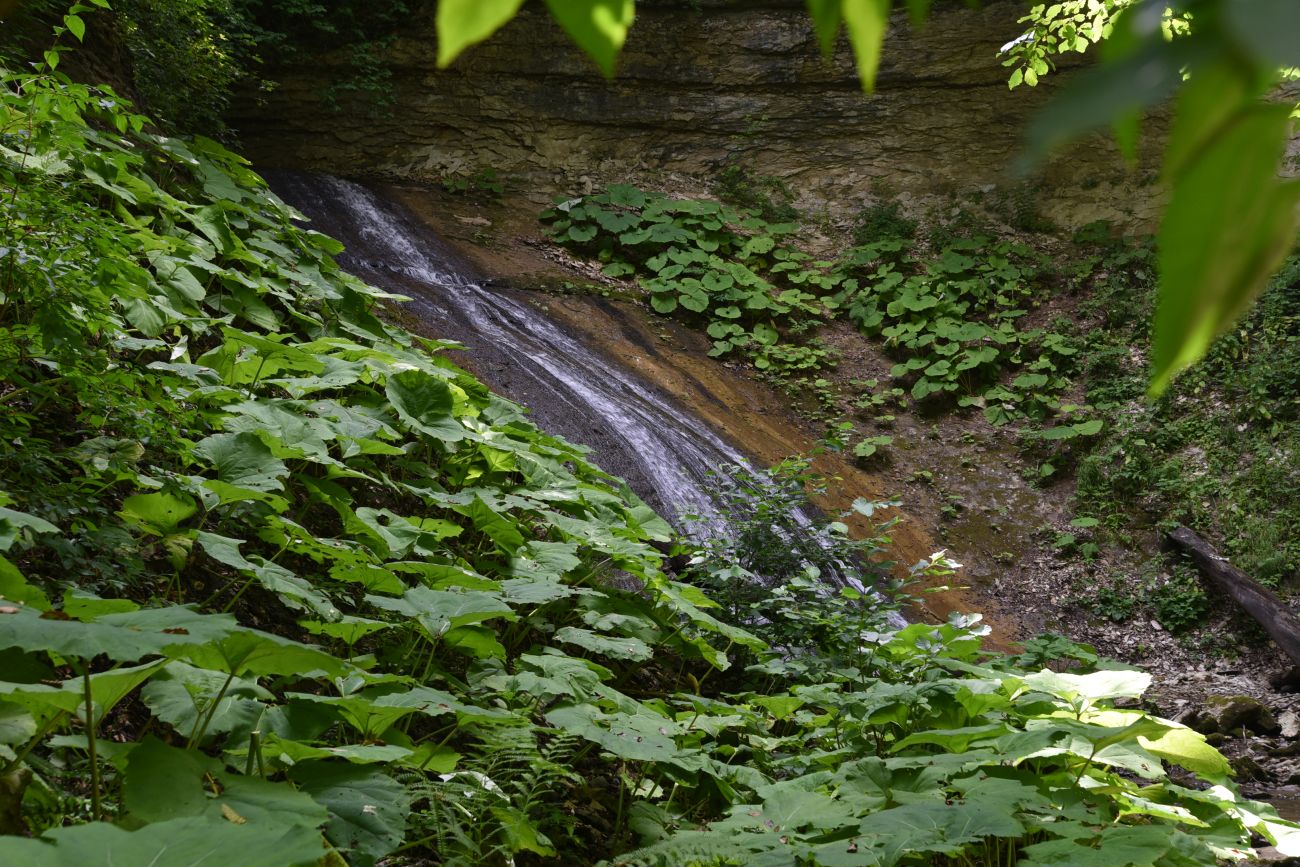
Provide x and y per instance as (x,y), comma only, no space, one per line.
(1268,27)
(243,461)
(1175,743)
(1129,846)
(1097,685)
(612,646)
(497,527)
(15,588)
(160,512)
(598,26)
(164,782)
(1229,223)
(367,808)
(12,521)
(294,591)
(189,842)
(462,23)
(370,719)
(936,827)
(440,610)
(425,403)
(866,21)
(125,637)
(180,694)
(788,808)
(1100,94)
(16,723)
(638,737)
(250,652)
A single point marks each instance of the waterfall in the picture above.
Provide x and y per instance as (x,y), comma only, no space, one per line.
(669,458)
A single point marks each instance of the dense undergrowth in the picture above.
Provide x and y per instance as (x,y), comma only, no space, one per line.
(1220,454)
(283,584)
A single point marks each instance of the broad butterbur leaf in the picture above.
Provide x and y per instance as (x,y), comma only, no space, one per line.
(188,842)
(367,808)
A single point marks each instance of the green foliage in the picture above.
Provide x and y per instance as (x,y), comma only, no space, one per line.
(868,446)
(727,269)
(769,197)
(883,222)
(1212,456)
(219,395)
(1060,28)
(367,598)
(1230,221)
(1180,603)
(952,320)
(482,184)
(186,57)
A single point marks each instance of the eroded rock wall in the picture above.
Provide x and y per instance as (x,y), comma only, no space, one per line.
(701,84)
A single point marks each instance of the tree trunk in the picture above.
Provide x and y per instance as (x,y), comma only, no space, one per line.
(1258,601)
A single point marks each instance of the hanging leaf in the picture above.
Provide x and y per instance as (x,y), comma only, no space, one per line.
(826,22)
(1229,223)
(866,22)
(462,23)
(598,26)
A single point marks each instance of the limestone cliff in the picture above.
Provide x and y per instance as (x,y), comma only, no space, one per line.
(699,84)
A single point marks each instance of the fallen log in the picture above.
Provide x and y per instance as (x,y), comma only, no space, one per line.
(1282,625)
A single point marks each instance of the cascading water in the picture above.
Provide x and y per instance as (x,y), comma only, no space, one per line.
(668,457)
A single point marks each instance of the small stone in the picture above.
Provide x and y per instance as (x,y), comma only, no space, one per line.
(1287,680)
(1249,769)
(1270,855)
(1290,724)
(1230,714)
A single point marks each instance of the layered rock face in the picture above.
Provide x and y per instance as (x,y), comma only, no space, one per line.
(701,85)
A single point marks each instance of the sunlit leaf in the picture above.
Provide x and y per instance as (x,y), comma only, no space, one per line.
(598,26)
(1228,225)
(866,22)
(462,23)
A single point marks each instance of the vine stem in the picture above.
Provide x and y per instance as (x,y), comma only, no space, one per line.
(96,803)
(206,719)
